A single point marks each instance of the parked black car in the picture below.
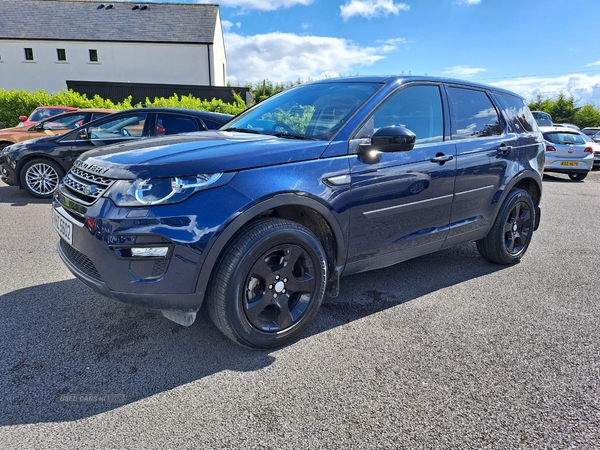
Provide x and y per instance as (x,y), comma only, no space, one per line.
(38,165)
(262,217)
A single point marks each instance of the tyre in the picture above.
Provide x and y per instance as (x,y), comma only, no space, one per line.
(268,284)
(511,233)
(40,177)
(577,176)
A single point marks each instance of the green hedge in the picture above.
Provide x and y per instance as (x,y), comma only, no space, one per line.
(15,103)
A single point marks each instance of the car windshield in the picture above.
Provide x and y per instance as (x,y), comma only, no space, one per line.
(312,111)
(44,113)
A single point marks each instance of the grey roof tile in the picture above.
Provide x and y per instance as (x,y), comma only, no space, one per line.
(82,20)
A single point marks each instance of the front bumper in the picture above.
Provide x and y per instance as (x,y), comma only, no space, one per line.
(84,269)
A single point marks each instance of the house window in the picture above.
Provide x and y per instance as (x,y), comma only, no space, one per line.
(61,54)
(28,54)
(93,55)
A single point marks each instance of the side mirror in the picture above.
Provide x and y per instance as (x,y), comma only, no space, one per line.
(37,127)
(83,133)
(22,118)
(391,139)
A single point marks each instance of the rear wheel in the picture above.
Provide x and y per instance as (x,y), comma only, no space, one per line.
(577,176)
(40,177)
(269,284)
(511,233)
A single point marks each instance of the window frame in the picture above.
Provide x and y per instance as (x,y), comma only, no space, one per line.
(29,54)
(93,54)
(61,55)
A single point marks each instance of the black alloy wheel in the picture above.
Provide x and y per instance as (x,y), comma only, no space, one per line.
(268,284)
(511,233)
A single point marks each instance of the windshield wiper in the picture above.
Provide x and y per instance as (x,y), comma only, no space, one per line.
(243,130)
(293,136)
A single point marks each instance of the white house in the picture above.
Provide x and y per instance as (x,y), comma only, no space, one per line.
(43,43)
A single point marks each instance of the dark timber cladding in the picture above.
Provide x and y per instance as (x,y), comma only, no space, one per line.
(139,92)
(109,21)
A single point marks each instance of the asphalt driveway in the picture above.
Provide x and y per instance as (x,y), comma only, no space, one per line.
(444,351)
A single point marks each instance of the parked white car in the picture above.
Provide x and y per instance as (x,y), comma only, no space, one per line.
(568,151)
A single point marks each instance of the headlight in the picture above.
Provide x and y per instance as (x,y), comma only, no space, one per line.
(163,191)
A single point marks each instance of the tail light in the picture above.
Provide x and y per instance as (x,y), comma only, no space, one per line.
(589,150)
(549,148)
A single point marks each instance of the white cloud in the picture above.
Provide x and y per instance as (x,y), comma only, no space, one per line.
(371,8)
(597,63)
(262,5)
(469,2)
(284,57)
(227,25)
(462,71)
(583,88)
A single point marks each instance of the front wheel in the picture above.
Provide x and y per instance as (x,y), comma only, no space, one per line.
(511,233)
(40,177)
(269,284)
(577,176)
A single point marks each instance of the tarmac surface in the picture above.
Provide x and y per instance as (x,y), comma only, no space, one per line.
(445,351)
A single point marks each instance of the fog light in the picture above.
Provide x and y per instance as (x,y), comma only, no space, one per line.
(150,251)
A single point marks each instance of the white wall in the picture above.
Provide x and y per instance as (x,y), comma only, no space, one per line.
(122,62)
(219,56)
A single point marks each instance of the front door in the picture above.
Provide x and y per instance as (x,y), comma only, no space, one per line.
(401,203)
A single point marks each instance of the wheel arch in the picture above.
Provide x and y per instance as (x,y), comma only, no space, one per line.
(5,144)
(297,208)
(531,183)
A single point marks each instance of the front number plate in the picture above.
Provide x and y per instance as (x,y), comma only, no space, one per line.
(569,163)
(62,226)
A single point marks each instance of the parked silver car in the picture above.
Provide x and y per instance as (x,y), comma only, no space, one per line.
(568,152)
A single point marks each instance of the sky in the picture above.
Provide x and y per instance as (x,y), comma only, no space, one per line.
(532,47)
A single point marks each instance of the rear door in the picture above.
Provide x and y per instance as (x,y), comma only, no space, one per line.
(484,150)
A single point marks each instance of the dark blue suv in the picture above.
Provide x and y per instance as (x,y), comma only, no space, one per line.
(261,218)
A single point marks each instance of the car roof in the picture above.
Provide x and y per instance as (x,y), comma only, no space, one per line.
(402,79)
(195,112)
(559,128)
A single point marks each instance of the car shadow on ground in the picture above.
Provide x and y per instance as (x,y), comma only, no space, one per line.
(15,197)
(69,353)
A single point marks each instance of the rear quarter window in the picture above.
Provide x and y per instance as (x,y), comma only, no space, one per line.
(519,115)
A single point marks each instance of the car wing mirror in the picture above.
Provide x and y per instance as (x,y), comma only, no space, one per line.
(22,118)
(391,139)
(37,127)
(82,133)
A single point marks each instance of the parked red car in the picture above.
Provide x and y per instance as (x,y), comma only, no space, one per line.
(41,113)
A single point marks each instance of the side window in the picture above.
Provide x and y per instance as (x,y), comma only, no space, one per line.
(127,126)
(98,115)
(418,108)
(211,125)
(175,124)
(473,114)
(521,118)
(68,122)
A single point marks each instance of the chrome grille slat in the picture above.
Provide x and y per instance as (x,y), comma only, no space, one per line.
(85,187)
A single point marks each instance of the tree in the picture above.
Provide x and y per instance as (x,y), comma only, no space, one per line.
(587,116)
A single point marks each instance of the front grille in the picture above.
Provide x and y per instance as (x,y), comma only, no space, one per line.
(80,261)
(85,187)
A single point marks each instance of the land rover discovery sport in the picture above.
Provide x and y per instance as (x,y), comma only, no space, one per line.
(262,218)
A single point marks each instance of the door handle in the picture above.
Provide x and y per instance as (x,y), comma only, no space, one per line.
(503,149)
(441,159)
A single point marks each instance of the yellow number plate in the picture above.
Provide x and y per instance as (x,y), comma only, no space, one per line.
(569,163)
